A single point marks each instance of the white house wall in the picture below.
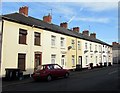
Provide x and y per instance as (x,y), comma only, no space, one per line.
(11,48)
(48,50)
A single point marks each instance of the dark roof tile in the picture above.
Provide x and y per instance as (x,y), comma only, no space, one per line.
(28,20)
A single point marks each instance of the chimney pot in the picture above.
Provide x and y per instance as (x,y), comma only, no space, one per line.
(47,19)
(64,24)
(76,29)
(23,10)
(115,43)
(85,32)
(93,35)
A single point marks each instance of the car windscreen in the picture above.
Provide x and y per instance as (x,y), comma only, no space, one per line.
(40,67)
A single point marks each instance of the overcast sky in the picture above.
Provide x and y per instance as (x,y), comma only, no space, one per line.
(98,17)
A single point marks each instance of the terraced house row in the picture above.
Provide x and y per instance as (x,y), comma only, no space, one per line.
(28,42)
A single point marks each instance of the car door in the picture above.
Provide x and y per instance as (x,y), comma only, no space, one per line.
(52,71)
(58,70)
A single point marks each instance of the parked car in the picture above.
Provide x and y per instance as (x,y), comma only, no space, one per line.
(49,71)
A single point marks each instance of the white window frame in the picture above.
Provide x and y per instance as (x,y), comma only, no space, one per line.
(79,46)
(95,47)
(86,46)
(63,58)
(90,47)
(73,43)
(73,60)
(86,59)
(53,41)
(100,48)
(53,58)
(62,42)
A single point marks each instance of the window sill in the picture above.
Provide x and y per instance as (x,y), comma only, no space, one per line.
(53,47)
(37,45)
(23,44)
(62,48)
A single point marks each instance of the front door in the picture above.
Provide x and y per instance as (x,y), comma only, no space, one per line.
(63,61)
(80,61)
(38,59)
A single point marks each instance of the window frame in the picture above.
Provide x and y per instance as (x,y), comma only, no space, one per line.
(79,45)
(86,59)
(22,36)
(53,40)
(53,57)
(37,37)
(73,60)
(86,46)
(62,42)
(73,44)
(90,47)
(23,61)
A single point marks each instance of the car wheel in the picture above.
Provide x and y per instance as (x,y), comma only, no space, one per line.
(66,75)
(49,78)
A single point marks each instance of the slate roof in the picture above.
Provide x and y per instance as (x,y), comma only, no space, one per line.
(28,20)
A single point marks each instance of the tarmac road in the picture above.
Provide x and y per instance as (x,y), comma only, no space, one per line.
(97,79)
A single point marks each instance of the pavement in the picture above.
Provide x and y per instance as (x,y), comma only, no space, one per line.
(97,79)
(30,79)
(15,82)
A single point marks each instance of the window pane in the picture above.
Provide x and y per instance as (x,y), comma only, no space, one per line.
(53,58)
(78,44)
(85,45)
(22,36)
(37,38)
(21,61)
(86,59)
(53,38)
(72,43)
(62,42)
(73,60)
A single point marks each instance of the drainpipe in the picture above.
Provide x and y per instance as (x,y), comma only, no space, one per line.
(76,51)
(30,51)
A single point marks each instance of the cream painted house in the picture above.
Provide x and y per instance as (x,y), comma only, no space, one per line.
(12,49)
(28,42)
(54,50)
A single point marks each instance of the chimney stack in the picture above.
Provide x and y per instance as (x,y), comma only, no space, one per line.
(115,43)
(76,29)
(23,10)
(47,19)
(93,35)
(85,32)
(64,24)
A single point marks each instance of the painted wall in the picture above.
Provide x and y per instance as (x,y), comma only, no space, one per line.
(71,52)
(48,49)
(11,46)
(93,56)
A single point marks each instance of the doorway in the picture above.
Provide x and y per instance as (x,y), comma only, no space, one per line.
(38,60)
(63,61)
(80,61)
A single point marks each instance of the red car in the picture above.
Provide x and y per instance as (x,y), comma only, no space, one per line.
(49,71)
